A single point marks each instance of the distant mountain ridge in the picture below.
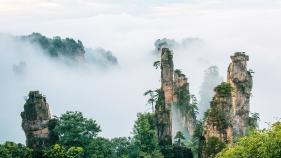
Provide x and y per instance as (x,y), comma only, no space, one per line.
(69,50)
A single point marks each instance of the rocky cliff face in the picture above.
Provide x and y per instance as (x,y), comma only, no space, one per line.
(164,106)
(182,120)
(228,116)
(241,80)
(35,119)
(219,121)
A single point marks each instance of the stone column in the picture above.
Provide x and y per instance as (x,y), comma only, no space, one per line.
(164,106)
(241,79)
(35,119)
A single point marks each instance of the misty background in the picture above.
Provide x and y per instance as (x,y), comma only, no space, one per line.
(113,96)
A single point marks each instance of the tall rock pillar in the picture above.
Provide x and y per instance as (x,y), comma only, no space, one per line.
(164,105)
(228,116)
(35,119)
(241,80)
(184,119)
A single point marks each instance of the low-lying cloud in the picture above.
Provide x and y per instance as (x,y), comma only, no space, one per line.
(113,97)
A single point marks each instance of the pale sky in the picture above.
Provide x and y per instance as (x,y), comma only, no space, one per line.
(129,29)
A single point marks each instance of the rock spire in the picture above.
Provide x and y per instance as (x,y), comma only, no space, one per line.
(35,119)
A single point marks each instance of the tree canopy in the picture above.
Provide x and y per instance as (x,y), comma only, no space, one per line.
(263,143)
(76,130)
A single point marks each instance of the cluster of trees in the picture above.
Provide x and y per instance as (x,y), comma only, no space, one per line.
(261,143)
(77,138)
(57,46)
(68,48)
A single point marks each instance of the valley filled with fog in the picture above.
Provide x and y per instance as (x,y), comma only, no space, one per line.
(113,94)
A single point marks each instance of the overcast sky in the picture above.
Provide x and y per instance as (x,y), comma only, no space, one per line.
(129,29)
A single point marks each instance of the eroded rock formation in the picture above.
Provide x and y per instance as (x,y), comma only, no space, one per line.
(220,116)
(241,80)
(164,106)
(183,118)
(228,116)
(35,119)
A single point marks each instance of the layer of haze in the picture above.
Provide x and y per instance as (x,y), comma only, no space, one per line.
(113,97)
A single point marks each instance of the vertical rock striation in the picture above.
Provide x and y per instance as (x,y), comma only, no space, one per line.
(183,119)
(241,80)
(35,119)
(164,106)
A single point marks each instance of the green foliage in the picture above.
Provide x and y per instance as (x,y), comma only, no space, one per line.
(189,108)
(13,150)
(198,141)
(241,84)
(192,108)
(75,152)
(57,46)
(53,137)
(160,113)
(179,136)
(159,98)
(122,146)
(192,147)
(224,89)
(153,154)
(263,143)
(240,54)
(249,130)
(197,138)
(75,130)
(153,98)
(99,147)
(218,117)
(178,71)
(206,114)
(255,115)
(167,151)
(183,95)
(144,133)
(182,152)
(55,151)
(157,64)
(250,72)
(213,146)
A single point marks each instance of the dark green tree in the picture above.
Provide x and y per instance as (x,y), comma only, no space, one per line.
(179,136)
(157,64)
(213,146)
(144,134)
(76,130)
(99,148)
(122,146)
